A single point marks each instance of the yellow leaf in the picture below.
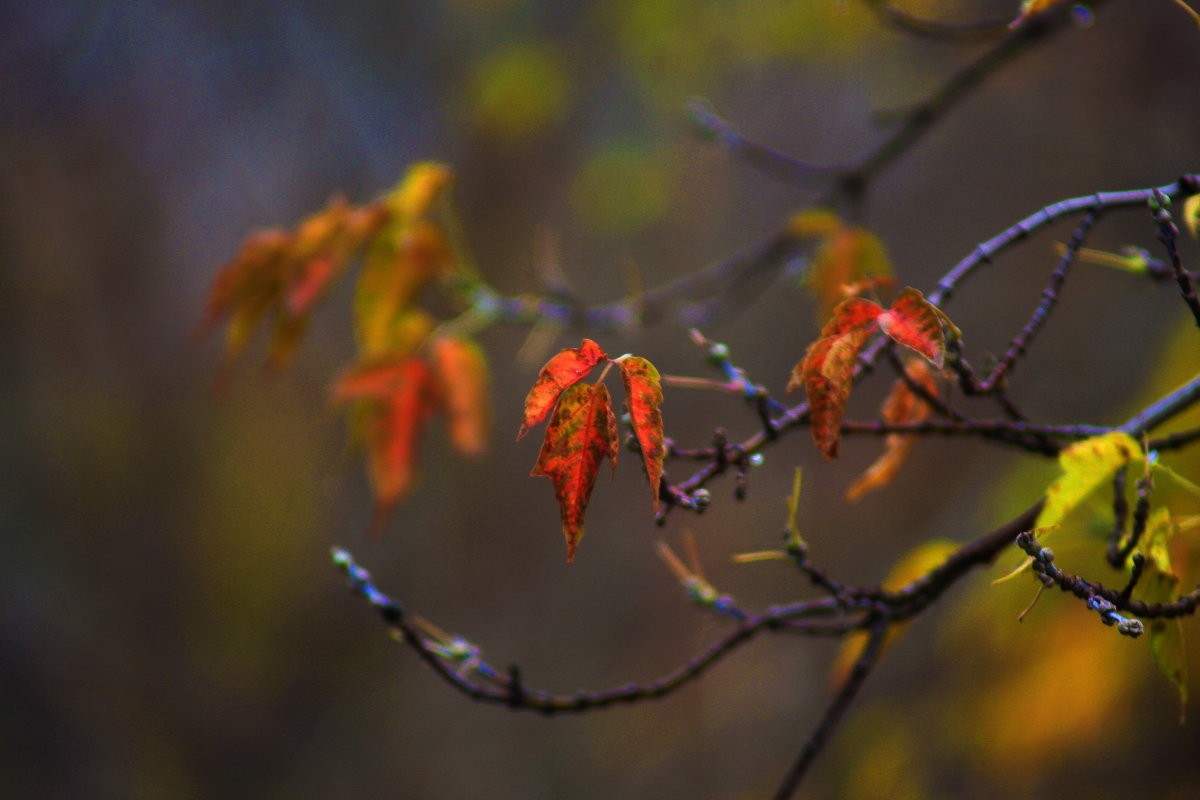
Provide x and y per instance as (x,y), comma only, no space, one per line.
(814,222)
(1160,584)
(1086,465)
(848,254)
(1191,214)
(419,191)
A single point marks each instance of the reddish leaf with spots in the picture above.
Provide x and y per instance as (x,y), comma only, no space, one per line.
(643,396)
(828,366)
(915,323)
(561,372)
(581,434)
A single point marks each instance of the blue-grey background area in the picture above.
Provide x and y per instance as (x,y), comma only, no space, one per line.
(170,626)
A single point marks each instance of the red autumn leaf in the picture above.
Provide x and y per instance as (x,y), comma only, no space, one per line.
(395,402)
(560,373)
(826,374)
(462,377)
(580,435)
(375,380)
(915,323)
(827,367)
(902,405)
(643,396)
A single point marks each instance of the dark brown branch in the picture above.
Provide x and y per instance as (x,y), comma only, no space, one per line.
(1168,234)
(861,668)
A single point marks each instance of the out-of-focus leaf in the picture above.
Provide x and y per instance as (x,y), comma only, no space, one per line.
(1032,7)
(419,191)
(1160,584)
(861,287)
(285,274)
(814,222)
(401,262)
(375,380)
(462,377)
(581,434)
(1191,214)
(564,370)
(901,406)
(520,90)
(848,255)
(913,322)
(1132,259)
(643,396)
(622,188)
(827,367)
(394,400)
(911,567)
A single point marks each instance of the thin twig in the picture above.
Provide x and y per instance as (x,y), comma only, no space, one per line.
(861,668)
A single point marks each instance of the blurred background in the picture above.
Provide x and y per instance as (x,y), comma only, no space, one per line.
(170,626)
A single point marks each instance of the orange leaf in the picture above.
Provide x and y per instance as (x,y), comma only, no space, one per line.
(828,366)
(462,375)
(643,396)
(825,373)
(375,381)
(848,255)
(914,322)
(395,401)
(561,372)
(423,185)
(581,434)
(902,405)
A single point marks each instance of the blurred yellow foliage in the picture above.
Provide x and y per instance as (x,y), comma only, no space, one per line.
(519,90)
(622,188)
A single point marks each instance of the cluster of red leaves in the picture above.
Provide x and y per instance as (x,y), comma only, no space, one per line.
(582,431)
(404,372)
(827,369)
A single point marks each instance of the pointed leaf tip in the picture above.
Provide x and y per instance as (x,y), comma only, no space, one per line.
(643,396)
(580,435)
(560,373)
(828,367)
